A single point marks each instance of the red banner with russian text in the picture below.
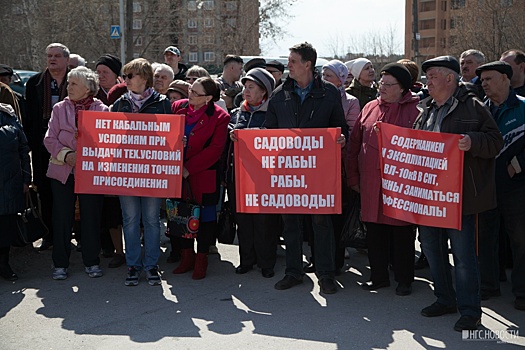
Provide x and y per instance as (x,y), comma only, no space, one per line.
(422,176)
(129,154)
(288,171)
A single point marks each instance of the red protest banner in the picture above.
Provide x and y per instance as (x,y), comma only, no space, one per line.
(129,154)
(292,171)
(422,176)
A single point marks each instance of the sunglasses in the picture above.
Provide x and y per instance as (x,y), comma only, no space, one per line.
(129,76)
(191,78)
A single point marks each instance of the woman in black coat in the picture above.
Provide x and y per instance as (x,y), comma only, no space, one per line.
(15,177)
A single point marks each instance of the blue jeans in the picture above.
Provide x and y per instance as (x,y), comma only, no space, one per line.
(133,208)
(324,245)
(463,244)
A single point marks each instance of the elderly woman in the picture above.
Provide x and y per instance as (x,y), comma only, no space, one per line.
(141,98)
(178,90)
(363,86)
(162,77)
(61,142)
(108,70)
(196,72)
(15,177)
(385,236)
(256,232)
(206,131)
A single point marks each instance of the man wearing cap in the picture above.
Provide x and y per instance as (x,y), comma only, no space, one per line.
(7,95)
(452,108)
(229,80)
(108,68)
(469,61)
(172,58)
(306,101)
(516,59)
(276,69)
(43,91)
(508,110)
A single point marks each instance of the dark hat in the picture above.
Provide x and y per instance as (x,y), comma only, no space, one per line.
(398,71)
(5,70)
(275,64)
(254,63)
(110,61)
(180,86)
(173,49)
(261,77)
(449,62)
(500,66)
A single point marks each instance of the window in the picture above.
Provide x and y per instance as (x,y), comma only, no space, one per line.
(231,5)
(209,56)
(232,22)
(443,5)
(506,3)
(193,57)
(208,5)
(455,22)
(192,23)
(427,42)
(137,24)
(209,39)
(427,6)
(192,5)
(443,24)
(137,40)
(456,4)
(208,22)
(443,42)
(136,55)
(427,24)
(192,39)
(137,7)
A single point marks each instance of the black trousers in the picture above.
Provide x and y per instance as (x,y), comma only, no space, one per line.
(63,218)
(205,238)
(383,240)
(46,201)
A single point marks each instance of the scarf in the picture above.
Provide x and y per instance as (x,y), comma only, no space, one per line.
(62,93)
(193,116)
(137,100)
(248,107)
(82,105)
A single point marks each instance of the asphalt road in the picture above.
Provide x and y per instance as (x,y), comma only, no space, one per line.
(229,311)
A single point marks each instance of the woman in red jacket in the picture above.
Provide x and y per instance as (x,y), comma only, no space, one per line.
(206,131)
(395,105)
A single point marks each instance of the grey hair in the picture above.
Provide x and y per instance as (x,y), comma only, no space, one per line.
(478,55)
(65,50)
(447,71)
(81,60)
(163,68)
(88,78)
(197,71)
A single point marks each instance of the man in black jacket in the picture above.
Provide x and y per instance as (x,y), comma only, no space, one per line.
(305,101)
(43,91)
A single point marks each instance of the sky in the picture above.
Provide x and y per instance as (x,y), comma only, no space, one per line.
(332,25)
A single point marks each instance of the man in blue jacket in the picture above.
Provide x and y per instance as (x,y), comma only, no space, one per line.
(305,101)
(508,110)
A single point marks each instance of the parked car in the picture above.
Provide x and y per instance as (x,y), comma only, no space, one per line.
(20,78)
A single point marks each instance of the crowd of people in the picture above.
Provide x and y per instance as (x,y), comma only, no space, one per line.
(483,102)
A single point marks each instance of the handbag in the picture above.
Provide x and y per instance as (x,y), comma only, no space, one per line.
(354,230)
(183,216)
(227,226)
(31,227)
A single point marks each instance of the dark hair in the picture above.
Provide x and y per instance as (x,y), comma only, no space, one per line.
(210,87)
(412,68)
(519,56)
(306,51)
(232,58)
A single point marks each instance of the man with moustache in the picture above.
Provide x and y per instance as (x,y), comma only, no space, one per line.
(469,61)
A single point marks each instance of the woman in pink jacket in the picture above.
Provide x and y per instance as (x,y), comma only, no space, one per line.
(387,239)
(61,142)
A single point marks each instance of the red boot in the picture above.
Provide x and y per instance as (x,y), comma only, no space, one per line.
(201,265)
(187,261)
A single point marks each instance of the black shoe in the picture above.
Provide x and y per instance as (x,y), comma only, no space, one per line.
(45,245)
(437,309)
(421,262)
(107,253)
(374,286)
(117,261)
(467,323)
(267,273)
(7,274)
(287,282)
(241,270)
(328,285)
(519,303)
(487,294)
(309,268)
(403,289)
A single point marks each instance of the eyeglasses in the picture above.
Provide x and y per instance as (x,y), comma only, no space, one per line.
(129,76)
(191,78)
(193,92)
(382,83)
